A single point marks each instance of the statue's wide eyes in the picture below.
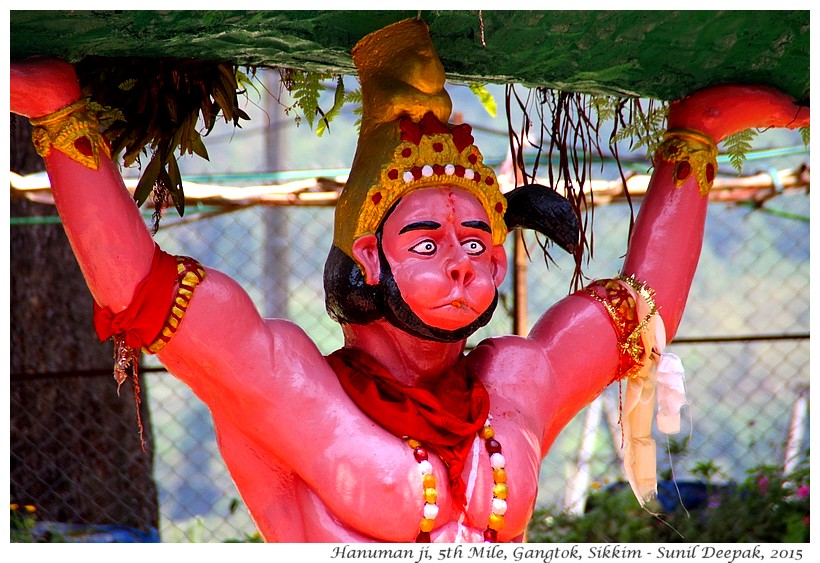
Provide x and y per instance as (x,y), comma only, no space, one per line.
(425,248)
(473,247)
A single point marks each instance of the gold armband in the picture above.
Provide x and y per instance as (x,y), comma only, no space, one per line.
(629,318)
(191,273)
(692,152)
(72,131)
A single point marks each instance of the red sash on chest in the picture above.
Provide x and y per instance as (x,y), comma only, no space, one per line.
(444,418)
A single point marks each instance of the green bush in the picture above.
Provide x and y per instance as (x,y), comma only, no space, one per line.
(767,507)
(22,524)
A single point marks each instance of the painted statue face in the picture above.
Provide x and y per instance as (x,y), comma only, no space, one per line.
(439,247)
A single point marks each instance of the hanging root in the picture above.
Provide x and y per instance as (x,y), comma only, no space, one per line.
(569,140)
(161,196)
(126,360)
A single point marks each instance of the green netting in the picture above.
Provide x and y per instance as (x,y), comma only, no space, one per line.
(657,54)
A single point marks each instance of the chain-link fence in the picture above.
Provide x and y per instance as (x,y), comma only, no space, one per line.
(743,340)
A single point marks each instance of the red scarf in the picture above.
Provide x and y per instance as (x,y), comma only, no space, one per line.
(445,418)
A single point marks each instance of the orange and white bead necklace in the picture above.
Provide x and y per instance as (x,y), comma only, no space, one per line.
(430,495)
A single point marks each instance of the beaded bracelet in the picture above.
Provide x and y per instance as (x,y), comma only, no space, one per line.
(191,273)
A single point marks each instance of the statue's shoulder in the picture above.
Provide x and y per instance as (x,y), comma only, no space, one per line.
(517,374)
(291,343)
(508,356)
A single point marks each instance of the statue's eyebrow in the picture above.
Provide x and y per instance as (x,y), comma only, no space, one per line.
(420,226)
(481,225)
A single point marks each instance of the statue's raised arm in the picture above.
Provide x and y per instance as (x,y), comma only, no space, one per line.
(143,296)
(251,372)
(617,328)
(665,244)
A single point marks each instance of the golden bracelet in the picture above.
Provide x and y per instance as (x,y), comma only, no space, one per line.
(623,312)
(632,343)
(191,273)
(690,151)
(74,132)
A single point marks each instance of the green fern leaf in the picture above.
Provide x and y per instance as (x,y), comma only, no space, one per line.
(639,127)
(338,102)
(306,90)
(355,97)
(127,85)
(604,106)
(804,134)
(737,146)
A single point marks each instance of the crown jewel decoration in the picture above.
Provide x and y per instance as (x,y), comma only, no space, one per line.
(433,154)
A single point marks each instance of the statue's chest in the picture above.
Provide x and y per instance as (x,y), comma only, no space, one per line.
(501,479)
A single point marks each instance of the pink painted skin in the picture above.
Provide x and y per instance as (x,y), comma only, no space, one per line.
(440,248)
(308,464)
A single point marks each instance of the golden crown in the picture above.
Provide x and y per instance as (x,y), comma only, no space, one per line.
(433,154)
(405,143)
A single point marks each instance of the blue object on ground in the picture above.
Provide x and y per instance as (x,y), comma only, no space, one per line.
(82,533)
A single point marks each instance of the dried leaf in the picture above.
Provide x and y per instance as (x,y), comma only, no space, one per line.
(198,147)
(147,180)
(174,185)
(156,105)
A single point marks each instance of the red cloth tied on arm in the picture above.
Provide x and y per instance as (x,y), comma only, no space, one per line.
(445,419)
(142,321)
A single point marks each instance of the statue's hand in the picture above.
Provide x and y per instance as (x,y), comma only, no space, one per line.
(720,111)
(40,86)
